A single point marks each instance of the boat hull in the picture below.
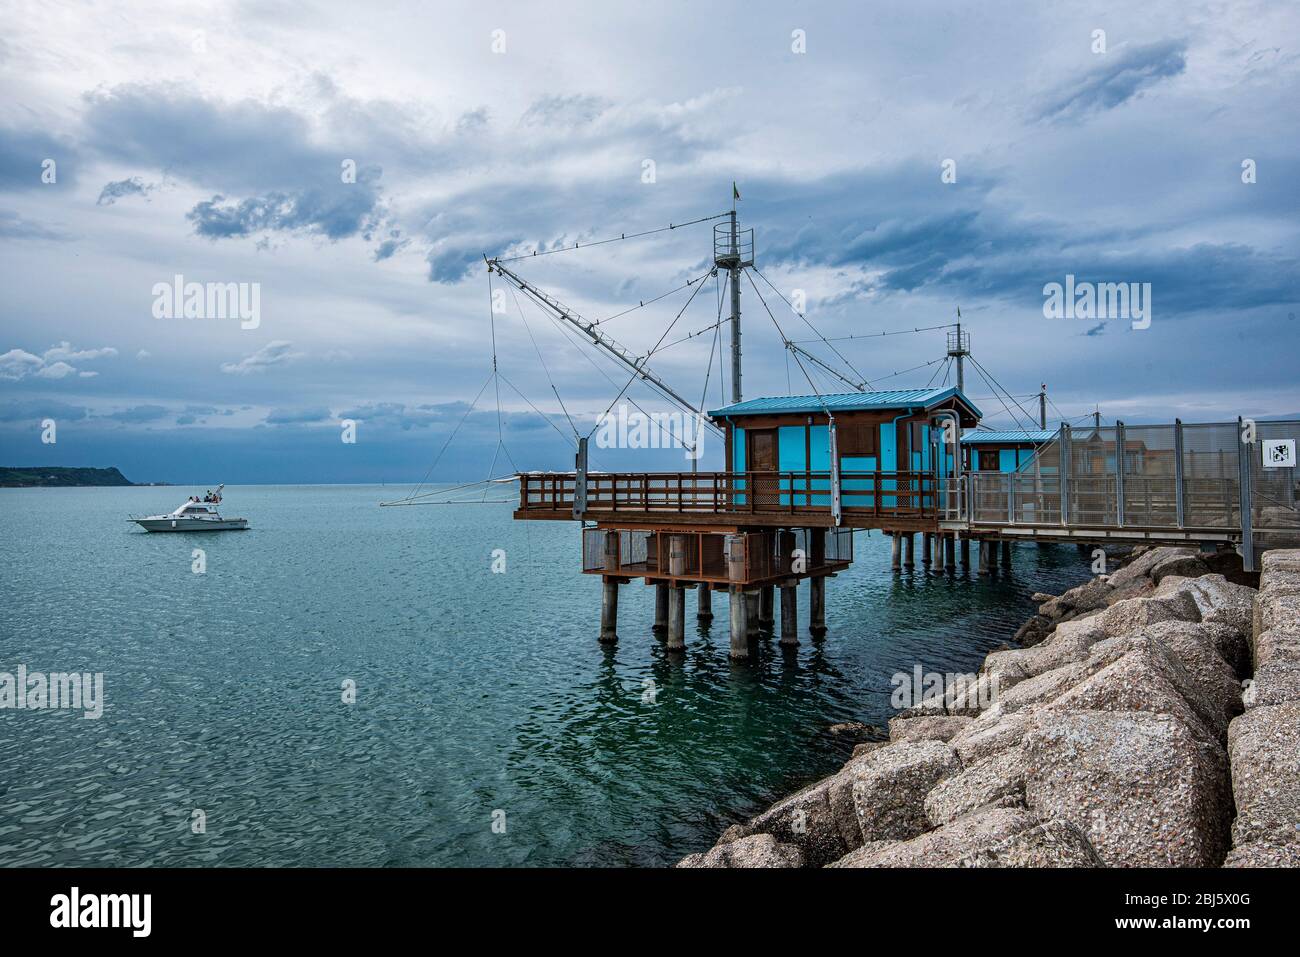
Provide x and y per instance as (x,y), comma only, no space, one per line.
(191,524)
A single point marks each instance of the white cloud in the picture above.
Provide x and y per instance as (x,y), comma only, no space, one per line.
(52,364)
(272,354)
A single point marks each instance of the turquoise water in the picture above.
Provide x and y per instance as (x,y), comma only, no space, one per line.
(476,692)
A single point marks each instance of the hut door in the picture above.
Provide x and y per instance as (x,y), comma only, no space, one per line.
(763,458)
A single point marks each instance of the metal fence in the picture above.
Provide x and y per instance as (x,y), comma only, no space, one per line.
(1149,477)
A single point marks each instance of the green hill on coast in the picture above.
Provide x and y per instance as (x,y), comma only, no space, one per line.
(59,476)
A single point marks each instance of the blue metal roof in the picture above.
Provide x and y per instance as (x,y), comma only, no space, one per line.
(846,402)
(1008,437)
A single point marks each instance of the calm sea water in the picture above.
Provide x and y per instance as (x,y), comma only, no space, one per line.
(476,692)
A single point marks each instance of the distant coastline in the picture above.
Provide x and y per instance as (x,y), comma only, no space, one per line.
(62,477)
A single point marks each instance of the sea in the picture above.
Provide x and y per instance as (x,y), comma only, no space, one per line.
(350,685)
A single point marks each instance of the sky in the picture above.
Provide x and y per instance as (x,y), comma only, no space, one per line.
(351,165)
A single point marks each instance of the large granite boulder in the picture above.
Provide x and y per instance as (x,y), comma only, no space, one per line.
(1131,614)
(947,846)
(992,733)
(1276,682)
(890,785)
(996,780)
(758,850)
(1144,790)
(1053,843)
(1071,642)
(1140,567)
(1147,677)
(805,820)
(1264,747)
(1276,645)
(1219,601)
(930,728)
(1196,648)
(1186,566)
(1263,855)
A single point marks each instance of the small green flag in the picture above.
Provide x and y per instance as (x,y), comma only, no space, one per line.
(735,193)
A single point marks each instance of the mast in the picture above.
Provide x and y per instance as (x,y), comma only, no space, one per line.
(1042,406)
(733,250)
(959,348)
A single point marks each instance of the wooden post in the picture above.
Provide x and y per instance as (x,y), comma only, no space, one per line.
(705,612)
(895,548)
(1006,555)
(739,628)
(661,608)
(984,557)
(950,553)
(609,612)
(965,552)
(677,618)
(790,614)
(817,606)
(677,556)
(908,543)
(767,606)
(925,549)
(751,613)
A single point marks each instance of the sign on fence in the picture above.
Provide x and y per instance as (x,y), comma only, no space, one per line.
(1279,453)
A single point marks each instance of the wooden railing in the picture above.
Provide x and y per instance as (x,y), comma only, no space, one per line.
(877,493)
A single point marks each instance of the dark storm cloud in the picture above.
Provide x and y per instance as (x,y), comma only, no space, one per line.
(1118,77)
(335,212)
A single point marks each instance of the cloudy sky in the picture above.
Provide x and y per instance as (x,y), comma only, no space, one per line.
(214,142)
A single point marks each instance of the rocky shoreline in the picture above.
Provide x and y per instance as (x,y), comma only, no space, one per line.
(1149,718)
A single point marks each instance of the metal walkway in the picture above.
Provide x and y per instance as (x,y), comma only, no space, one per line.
(1160,483)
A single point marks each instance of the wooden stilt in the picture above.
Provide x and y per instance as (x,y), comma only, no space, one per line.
(751,613)
(609,612)
(739,628)
(790,614)
(661,609)
(949,553)
(925,549)
(817,606)
(908,542)
(895,552)
(677,618)
(767,606)
(965,553)
(985,551)
(1006,555)
(705,612)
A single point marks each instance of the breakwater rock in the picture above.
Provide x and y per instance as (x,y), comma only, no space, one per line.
(1151,719)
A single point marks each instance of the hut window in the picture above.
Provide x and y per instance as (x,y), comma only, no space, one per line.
(989,460)
(856,439)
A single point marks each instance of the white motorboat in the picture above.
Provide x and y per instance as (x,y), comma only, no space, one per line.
(193,515)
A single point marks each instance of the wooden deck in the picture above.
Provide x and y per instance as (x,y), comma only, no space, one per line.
(730,501)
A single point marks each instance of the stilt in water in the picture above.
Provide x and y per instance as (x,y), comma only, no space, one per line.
(817,606)
(1006,555)
(949,553)
(965,553)
(925,549)
(895,549)
(705,612)
(766,606)
(908,541)
(985,554)
(661,609)
(790,614)
(609,612)
(739,628)
(751,613)
(677,618)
